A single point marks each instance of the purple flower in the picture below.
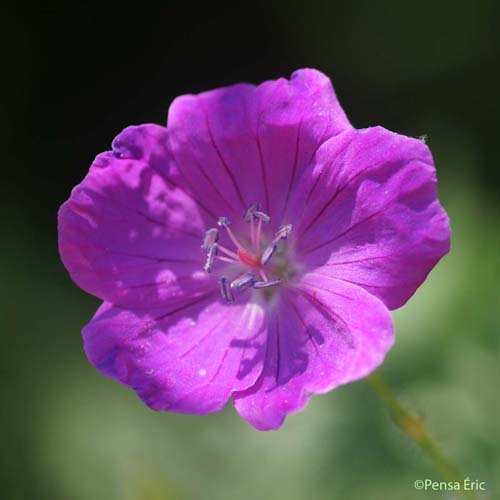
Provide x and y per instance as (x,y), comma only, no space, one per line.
(251,248)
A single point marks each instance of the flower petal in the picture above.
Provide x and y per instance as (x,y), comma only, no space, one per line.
(325,333)
(368,213)
(128,234)
(244,144)
(185,359)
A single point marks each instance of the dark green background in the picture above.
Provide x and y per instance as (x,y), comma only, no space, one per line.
(74,75)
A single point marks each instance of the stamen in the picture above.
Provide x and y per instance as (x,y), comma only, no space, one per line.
(211,237)
(266,284)
(268,253)
(257,235)
(252,234)
(243,282)
(250,217)
(228,252)
(227,259)
(263,274)
(262,216)
(225,290)
(249,214)
(283,232)
(212,253)
(223,222)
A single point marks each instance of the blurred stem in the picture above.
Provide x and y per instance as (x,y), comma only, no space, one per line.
(414,428)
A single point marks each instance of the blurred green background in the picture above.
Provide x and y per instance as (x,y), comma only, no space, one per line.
(74,75)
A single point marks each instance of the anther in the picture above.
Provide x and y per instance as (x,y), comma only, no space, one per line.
(212,253)
(225,290)
(249,214)
(262,216)
(283,232)
(243,282)
(211,237)
(265,284)
(268,253)
(223,222)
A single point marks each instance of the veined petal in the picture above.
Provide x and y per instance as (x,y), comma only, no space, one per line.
(325,333)
(185,359)
(252,143)
(128,234)
(368,213)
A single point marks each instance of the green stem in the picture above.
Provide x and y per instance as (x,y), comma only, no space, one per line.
(415,429)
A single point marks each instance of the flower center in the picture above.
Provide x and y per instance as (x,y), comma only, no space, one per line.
(248,258)
(250,262)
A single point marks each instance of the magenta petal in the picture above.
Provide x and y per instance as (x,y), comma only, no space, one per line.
(251,142)
(325,333)
(128,234)
(368,213)
(186,359)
